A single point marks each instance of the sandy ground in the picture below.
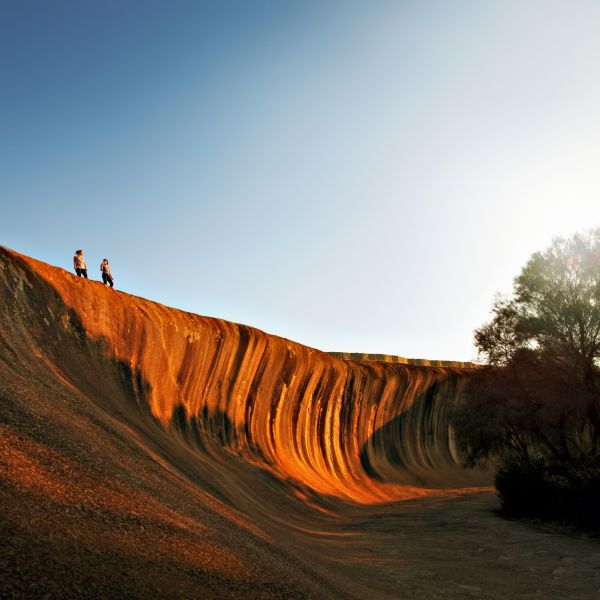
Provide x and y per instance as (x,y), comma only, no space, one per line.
(457,548)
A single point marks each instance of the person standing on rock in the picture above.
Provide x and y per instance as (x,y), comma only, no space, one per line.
(106,275)
(79,264)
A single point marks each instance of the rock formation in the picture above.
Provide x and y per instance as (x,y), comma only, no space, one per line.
(356,430)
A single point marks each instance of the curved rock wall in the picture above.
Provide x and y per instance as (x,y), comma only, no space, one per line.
(361,431)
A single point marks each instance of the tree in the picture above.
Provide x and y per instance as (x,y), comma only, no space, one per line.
(537,402)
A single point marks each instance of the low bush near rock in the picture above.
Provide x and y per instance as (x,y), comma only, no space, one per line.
(567,493)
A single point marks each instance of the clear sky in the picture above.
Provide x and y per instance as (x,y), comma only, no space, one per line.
(353,175)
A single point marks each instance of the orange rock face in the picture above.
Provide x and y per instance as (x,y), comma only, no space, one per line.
(368,432)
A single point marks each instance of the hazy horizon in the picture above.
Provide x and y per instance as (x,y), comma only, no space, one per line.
(358,177)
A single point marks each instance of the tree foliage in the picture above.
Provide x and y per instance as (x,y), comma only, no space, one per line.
(555,308)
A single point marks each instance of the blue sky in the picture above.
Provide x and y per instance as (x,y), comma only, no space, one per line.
(358,176)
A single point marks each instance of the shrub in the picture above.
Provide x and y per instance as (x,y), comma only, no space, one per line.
(566,493)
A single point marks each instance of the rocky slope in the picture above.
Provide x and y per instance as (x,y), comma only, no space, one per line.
(357,430)
(118,413)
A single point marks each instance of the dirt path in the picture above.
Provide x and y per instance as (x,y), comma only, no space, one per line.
(454,548)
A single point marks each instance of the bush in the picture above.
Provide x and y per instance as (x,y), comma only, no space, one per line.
(559,492)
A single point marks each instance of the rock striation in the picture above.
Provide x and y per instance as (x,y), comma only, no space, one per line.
(359,430)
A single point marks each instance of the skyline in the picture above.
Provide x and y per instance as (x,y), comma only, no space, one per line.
(360,180)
